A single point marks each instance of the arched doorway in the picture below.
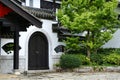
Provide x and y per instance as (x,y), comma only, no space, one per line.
(38,52)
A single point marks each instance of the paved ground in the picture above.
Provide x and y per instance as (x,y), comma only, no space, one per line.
(64,76)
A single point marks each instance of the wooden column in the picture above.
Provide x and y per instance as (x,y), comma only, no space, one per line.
(16,49)
(0,35)
(54,6)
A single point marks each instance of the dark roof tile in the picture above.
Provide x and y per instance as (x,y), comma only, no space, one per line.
(40,13)
(37,12)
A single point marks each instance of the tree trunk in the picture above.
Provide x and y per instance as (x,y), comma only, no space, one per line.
(88,52)
(95,51)
(88,48)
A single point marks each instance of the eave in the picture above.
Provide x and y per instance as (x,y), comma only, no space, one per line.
(41,13)
(23,13)
(63,33)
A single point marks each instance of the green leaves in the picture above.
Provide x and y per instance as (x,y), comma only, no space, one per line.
(113,59)
(72,44)
(89,15)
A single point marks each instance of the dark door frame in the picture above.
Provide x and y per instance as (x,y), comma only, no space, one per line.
(40,53)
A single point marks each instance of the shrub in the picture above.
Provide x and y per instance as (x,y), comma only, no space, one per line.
(97,58)
(107,51)
(113,59)
(68,61)
(84,60)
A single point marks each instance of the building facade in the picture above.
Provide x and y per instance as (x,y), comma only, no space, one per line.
(30,35)
(32,44)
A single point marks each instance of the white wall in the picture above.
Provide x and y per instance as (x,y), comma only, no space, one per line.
(52,40)
(36,3)
(23,42)
(114,42)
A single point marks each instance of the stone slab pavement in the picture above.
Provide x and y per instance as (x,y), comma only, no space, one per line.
(63,76)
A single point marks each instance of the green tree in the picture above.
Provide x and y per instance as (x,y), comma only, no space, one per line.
(95,17)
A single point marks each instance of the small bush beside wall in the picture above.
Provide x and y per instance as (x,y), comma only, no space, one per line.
(84,59)
(112,59)
(69,61)
(97,58)
(107,57)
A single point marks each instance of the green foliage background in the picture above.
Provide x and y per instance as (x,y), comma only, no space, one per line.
(95,17)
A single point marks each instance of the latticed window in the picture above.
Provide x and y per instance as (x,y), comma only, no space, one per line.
(31,3)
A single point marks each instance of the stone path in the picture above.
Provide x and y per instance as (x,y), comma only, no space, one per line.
(64,76)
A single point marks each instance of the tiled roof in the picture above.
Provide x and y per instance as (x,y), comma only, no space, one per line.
(37,12)
(40,13)
(64,32)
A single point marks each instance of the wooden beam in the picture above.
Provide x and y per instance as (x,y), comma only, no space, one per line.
(19,10)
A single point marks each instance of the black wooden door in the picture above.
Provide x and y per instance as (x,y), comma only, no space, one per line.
(38,52)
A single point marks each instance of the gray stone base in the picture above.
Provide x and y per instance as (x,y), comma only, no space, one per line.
(6,64)
(17,72)
(98,69)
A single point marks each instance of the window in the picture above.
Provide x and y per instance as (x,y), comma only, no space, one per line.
(59,48)
(8,48)
(31,3)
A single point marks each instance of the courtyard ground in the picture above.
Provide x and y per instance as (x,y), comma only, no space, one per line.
(64,76)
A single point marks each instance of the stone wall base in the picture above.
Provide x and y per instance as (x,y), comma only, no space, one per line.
(98,69)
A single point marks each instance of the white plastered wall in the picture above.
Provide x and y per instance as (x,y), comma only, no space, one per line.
(36,3)
(51,37)
(23,42)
